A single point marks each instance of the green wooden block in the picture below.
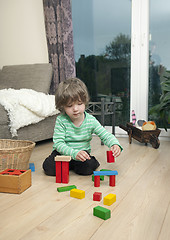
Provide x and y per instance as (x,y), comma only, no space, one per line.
(101,178)
(101,212)
(67,188)
(105,170)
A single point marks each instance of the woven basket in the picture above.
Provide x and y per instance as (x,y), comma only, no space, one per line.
(15,154)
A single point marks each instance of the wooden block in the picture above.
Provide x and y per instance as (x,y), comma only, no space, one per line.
(112,180)
(77,193)
(105,173)
(105,170)
(32,167)
(11,183)
(58,172)
(109,199)
(65,172)
(66,188)
(110,157)
(97,196)
(102,212)
(62,158)
(96,181)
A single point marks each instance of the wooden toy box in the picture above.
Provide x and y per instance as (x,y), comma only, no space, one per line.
(15,181)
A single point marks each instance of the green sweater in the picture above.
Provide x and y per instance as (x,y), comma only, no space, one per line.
(69,139)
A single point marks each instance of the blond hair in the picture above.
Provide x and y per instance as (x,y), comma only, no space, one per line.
(69,91)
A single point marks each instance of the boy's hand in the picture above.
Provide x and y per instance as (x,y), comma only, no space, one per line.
(115,150)
(82,156)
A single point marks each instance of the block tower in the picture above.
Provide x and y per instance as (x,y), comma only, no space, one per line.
(62,168)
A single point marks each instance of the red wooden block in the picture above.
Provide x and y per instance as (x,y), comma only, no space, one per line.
(97,196)
(96,181)
(58,171)
(65,172)
(112,180)
(110,157)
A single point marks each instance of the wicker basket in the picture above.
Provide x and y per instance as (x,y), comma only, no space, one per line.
(15,154)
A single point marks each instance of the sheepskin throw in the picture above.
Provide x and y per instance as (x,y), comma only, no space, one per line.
(26,106)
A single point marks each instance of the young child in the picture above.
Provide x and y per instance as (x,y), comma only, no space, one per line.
(74,128)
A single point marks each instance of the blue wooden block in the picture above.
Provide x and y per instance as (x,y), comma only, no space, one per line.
(32,167)
(105,173)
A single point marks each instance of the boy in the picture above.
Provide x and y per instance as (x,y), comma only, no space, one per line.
(74,128)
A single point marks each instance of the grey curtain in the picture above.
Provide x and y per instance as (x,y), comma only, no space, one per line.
(59,33)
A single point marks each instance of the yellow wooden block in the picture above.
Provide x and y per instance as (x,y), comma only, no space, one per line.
(109,199)
(77,193)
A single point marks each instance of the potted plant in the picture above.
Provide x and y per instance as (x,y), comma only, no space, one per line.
(162,110)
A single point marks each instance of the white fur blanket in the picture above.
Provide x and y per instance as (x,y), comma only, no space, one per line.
(26,106)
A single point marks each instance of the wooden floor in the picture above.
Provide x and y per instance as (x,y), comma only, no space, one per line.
(142,209)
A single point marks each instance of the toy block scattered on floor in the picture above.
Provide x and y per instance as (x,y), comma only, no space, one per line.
(110,157)
(97,196)
(102,212)
(32,167)
(109,199)
(62,168)
(67,188)
(77,193)
(111,175)
(14,180)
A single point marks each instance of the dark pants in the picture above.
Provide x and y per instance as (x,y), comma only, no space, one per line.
(82,168)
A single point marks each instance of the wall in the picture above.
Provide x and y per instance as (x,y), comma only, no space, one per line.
(22,31)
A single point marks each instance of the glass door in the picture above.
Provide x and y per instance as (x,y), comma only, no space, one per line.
(159,57)
(122,53)
(102,45)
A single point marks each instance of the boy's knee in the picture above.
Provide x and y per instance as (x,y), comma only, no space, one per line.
(83,171)
(49,169)
(49,165)
(87,167)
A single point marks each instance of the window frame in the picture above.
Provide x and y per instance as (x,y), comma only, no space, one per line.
(139,90)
